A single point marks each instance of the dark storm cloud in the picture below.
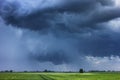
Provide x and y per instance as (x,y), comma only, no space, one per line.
(104,15)
(41,19)
(54,57)
(100,43)
(73,31)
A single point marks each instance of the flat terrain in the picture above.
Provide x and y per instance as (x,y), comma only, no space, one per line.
(59,76)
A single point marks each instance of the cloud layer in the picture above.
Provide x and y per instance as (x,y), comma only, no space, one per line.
(59,34)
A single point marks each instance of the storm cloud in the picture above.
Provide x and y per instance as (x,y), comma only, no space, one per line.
(59,34)
(96,11)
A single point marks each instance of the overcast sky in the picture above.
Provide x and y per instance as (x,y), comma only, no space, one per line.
(60,35)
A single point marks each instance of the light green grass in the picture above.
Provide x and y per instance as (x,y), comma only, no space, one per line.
(59,76)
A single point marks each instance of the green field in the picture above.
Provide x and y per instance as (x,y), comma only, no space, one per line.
(59,76)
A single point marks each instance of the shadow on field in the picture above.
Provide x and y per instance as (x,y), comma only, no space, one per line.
(44,77)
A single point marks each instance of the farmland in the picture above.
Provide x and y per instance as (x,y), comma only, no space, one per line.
(60,76)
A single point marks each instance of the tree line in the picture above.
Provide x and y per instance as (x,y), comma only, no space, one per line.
(81,70)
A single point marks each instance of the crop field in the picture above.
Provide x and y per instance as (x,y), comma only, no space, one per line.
(59,76)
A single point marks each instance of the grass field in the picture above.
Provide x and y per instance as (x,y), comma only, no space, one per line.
(59,76)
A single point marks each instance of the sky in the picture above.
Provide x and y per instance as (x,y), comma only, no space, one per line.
(59,35)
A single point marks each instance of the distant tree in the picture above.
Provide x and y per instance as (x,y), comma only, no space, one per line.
(25,71)
(45,70)
(6,71)
(81,71)
(11,71)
